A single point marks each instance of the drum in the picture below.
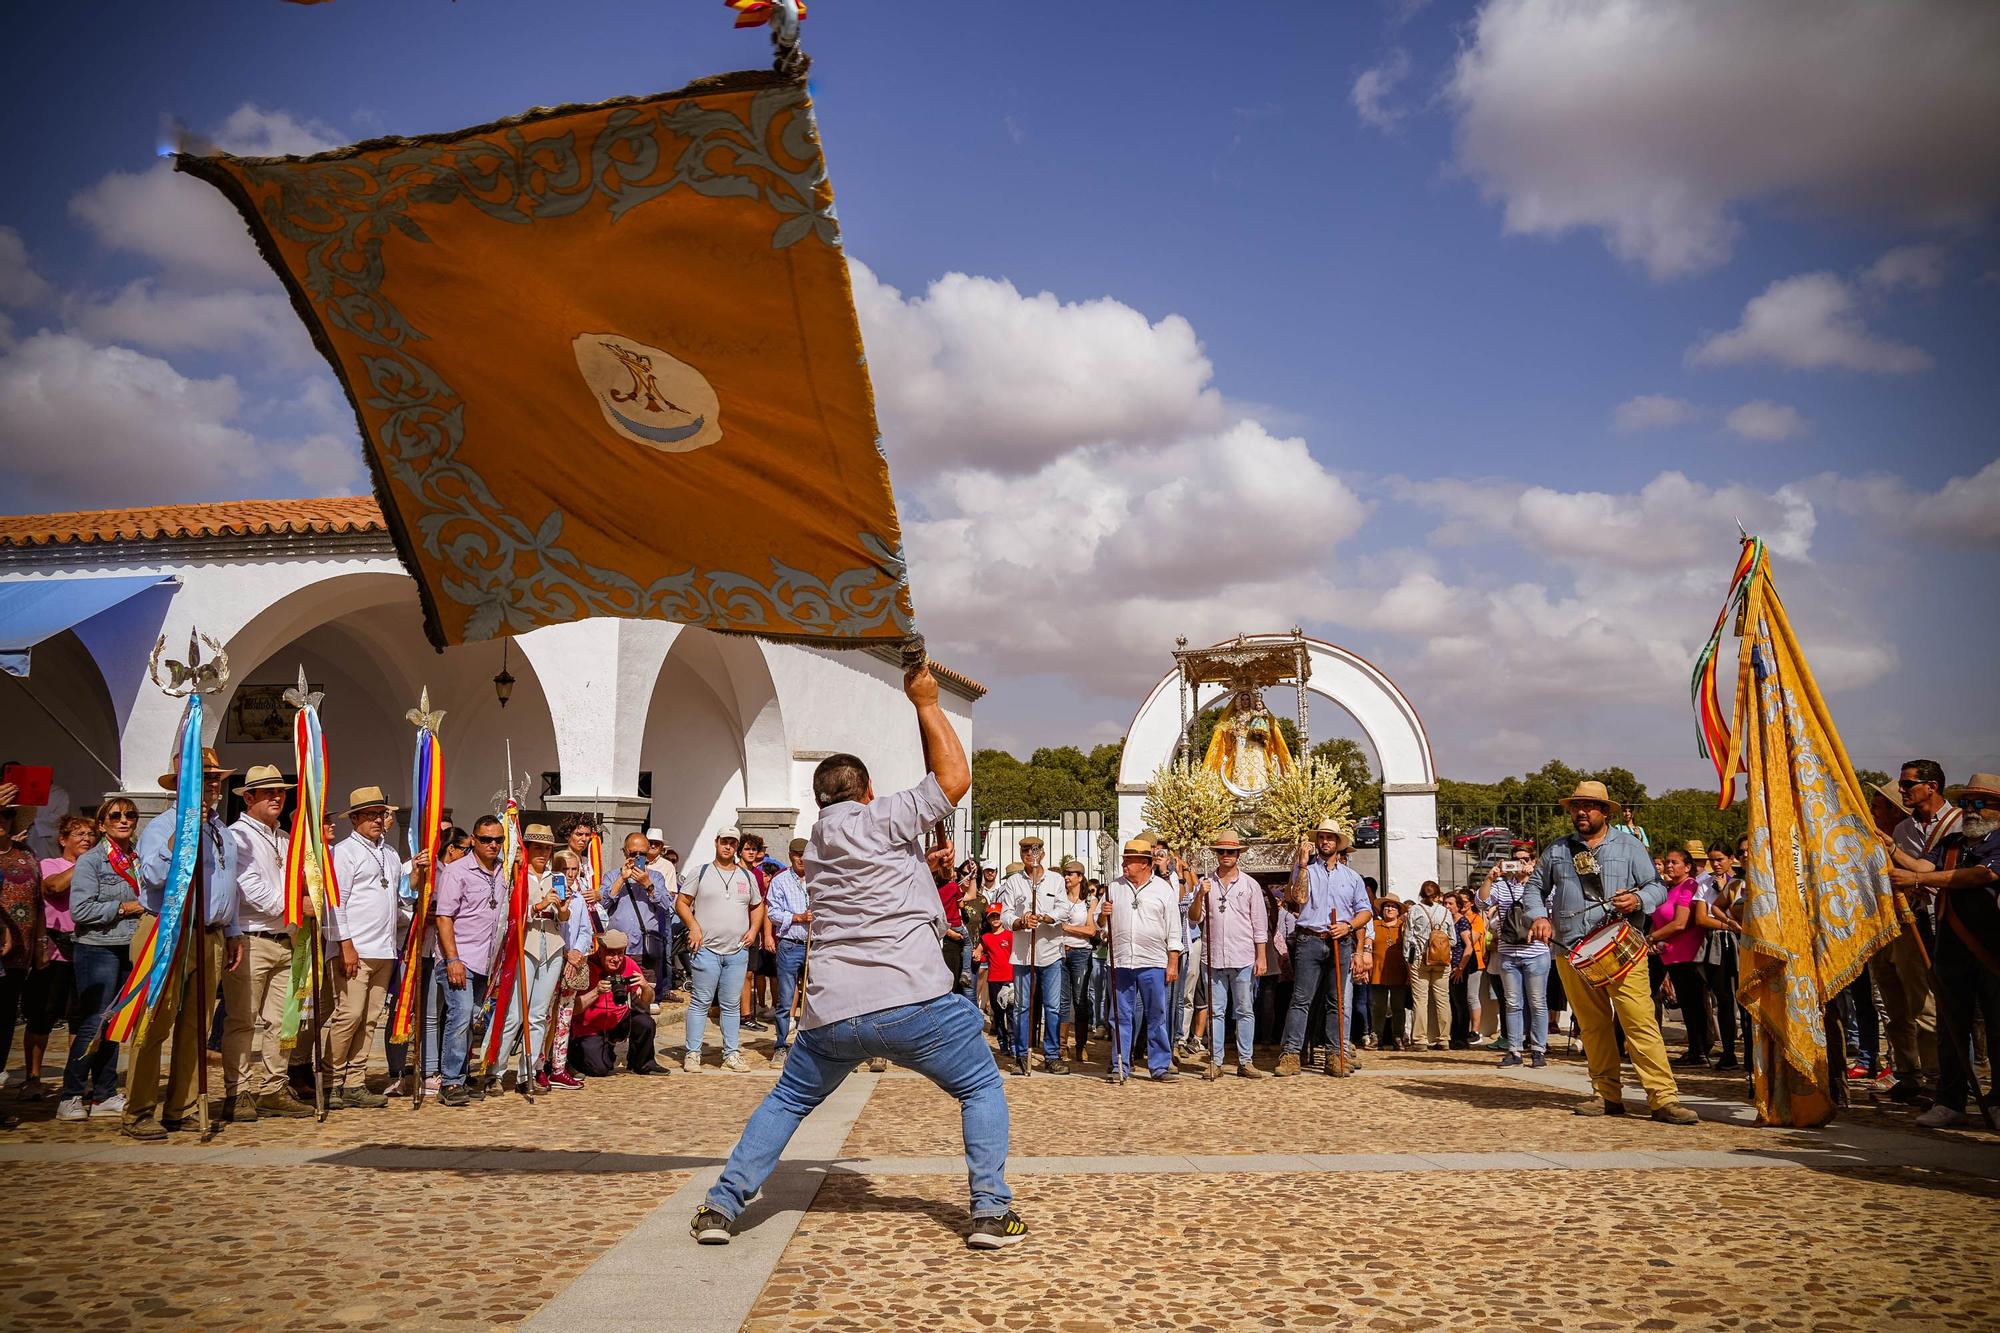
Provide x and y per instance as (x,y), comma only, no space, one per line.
(1607,953)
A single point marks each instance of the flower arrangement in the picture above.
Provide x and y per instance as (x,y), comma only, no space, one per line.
(1187,805)
(1300,798)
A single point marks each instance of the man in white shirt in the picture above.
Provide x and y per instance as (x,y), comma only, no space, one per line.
(363,936)
(1143,915)
(254,992)
(1036,906)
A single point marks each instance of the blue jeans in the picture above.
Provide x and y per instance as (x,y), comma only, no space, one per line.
(943,1039)
(1231,990)
(457,1003)
(1139,994)
(1525,978)
(99,971)
(541,977)
(715,973)
(1076,993)
(1312,956)
(791,967)
(1048,987)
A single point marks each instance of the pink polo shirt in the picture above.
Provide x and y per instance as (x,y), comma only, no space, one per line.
(1235,924)
(1686,946)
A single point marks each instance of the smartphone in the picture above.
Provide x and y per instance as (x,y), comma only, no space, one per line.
(640,860)
(561,886)
(34,781)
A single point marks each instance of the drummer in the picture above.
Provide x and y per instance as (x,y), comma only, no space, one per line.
(1582,883)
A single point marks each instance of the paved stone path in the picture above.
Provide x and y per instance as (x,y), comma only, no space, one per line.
(1392,1200)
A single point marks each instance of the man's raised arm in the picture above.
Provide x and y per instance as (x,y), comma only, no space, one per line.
(943,755)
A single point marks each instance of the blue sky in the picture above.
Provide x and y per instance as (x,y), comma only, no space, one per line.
(1359,291)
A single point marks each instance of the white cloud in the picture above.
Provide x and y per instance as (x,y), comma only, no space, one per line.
(122,427)
(1918,268)
(1808,322)
(1964,512)
(1374,87)
(1652,411)
(19,283)
(1654,121)
(975,373)
(186,225)
(1764,420)
(144,315)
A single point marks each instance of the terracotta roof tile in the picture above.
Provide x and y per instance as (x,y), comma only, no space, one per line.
(228,518)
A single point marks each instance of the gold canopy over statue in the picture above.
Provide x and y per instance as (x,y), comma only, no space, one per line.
(1248,749)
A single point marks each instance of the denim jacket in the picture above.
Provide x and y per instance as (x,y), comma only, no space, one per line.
(1555,890)
(95,892)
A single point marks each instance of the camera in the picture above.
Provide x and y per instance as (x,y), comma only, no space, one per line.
(621,989)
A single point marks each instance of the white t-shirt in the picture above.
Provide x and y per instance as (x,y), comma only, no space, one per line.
(722,903)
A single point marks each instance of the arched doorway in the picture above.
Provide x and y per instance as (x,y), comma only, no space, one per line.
(60,714)
(1371,698)
(715,743)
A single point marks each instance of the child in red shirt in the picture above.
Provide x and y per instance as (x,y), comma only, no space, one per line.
(996,950)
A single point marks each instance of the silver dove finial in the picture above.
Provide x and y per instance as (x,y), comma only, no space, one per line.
(422,716)
(302,696)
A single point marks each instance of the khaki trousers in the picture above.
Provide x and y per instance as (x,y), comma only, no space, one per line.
(1430,1003)
(182,1015)
(253,1005)
(1905,987)
(1631,999)
(357,1008)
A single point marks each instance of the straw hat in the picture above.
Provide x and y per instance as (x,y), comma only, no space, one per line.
(1015,867)
(261,777)
(541,833)
(1593,792)
(1893,794)
(1229,840)
(209,765)
(368,798)
(1341,842)
(1697,850)
(1138,847)
(1982,784)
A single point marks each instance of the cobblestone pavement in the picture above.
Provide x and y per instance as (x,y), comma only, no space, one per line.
(1754,1249)
(217,1247)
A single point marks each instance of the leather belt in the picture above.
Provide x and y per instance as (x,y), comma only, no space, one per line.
(271,935)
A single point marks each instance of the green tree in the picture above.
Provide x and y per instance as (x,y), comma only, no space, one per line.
(1690,812)
(1347,756)
(1871,777)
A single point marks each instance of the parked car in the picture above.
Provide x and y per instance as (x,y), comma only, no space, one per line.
(1368,832)
(1464,840)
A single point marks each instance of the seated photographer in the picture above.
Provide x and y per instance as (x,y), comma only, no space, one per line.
(613,1008)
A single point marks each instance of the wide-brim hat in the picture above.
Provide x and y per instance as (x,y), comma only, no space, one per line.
(1985,784)
(1696,847)
(539,833)
(262,777)
(210,764)
(369,798)
(1137,847)
(1595,793)
(1893,794)
(1229,840)
(1341,841)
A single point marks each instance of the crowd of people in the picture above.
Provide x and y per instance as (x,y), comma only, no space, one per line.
(1162,966)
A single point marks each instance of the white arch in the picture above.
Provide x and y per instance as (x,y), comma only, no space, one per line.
(1385,714)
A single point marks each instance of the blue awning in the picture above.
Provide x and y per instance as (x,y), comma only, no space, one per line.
(40,609)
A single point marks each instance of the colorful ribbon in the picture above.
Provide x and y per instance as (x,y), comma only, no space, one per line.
(152,968)
(309,861)
(1712,737)
(426,815)
(508,960)
(756,13)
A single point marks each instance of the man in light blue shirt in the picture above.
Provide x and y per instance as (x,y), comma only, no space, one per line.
(1329,925)
(790,911)
(178,1009)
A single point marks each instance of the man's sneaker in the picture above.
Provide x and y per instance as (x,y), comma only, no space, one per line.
(1539,1060)
(284,1106)
(1905,1091)
(148,1130)
(1167,1075)
(240,1109)
(72,1108)
(692,1063)
(1595,1106)
(1212,1073)
(1509,1060)
(1673,1113)
(993,1233)
(778,1058)
(542,1081)
(1245,1069)
(1940,1116)
(754,1025)
(455,1095)
(1288,1064)
(710,1227)
(110,1106)
(734,1063)
(652,1008)
(1021,1065)
(1116,1077)
(362,1099)
(565,1081)
(879,1065)
(1059,1066)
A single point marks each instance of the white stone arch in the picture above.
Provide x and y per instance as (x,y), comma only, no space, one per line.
(716,741)
(1381,709)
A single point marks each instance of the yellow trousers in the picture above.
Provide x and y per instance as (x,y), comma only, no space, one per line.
(1632,1002)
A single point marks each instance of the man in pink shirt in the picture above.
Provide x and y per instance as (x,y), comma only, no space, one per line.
(1229,908)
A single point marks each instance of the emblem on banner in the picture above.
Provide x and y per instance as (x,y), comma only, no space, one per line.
(649,396)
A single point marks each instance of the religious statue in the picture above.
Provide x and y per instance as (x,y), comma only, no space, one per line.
(1247,750)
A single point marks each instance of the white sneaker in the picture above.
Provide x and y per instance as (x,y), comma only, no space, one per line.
(72,1108)
(111,1106)
(733,1062)
(653,1009)
(1939,1116)
(692,1064)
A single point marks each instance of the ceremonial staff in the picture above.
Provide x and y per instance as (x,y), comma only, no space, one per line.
(310,886)
(408,1013)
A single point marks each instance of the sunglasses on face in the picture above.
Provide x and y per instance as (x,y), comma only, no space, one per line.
(1975,803)
(1907,783)
(123,816)
(486,840)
